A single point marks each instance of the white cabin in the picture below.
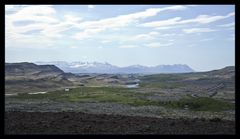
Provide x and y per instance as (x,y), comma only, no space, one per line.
(66,89)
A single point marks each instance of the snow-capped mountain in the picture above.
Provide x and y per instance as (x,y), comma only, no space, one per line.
(83,67)
(97,67)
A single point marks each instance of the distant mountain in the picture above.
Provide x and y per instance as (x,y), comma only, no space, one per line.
(26,68)
(96,67)
(27,77)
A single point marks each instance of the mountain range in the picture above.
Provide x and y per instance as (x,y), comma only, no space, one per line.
(97,67)
(29,77)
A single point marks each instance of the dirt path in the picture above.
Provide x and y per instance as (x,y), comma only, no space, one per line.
(82,123)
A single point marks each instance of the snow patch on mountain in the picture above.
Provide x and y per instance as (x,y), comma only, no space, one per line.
(97,67)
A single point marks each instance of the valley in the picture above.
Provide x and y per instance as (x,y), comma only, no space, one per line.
(193,96)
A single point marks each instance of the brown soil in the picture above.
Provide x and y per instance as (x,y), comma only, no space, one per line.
(82,123)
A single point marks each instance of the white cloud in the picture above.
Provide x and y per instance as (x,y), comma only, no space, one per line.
(169,34)
(167,22)
(177,7)
(120,21)
(197,30)
(14,8)
(72,19)
(35,13)
(201,19)
(42,19)
(165,27)
(91,6)
(9,7)
(85,57)
(73,47)
(87,33)
(156,44)
(191,45)
(105,41)
(207,39)
(227,25)
(205,19)
(128,46)
(146,36)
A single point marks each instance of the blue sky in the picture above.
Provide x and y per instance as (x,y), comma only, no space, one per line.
(201,36)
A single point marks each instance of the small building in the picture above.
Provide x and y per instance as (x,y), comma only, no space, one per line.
(67,89)
(136,80)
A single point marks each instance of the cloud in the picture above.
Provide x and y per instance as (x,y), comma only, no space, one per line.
(45,19)
(205,19)
(48,25)
(85,57)
(73,47)
(207,39)
(106,41)
(156,44)
(146,36)
(177,7)
(169,34)
(13,8)
(128,46)
(34,13)
(227,25)
(91,6)
(167,22)
(38,16)
(88,33)
(41,19)
(201,19)
(119,21)
(9,7)
(197,30)
(71,18)
(165,27)
(191,45)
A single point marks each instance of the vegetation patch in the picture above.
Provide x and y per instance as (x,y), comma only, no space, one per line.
(162,77)
(200,104)
(163,85)
(128,96)
(164,81)
(92,94)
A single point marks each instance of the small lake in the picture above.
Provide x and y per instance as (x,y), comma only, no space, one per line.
(37,93)
(10,94)
(132,85)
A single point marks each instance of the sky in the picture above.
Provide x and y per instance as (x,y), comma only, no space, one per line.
(201,36)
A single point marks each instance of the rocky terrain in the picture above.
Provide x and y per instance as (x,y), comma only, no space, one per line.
(83,123)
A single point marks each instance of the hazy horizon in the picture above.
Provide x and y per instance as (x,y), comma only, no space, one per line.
(122,66)
(202,37)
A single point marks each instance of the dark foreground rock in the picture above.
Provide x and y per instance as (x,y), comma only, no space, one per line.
(82,123)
